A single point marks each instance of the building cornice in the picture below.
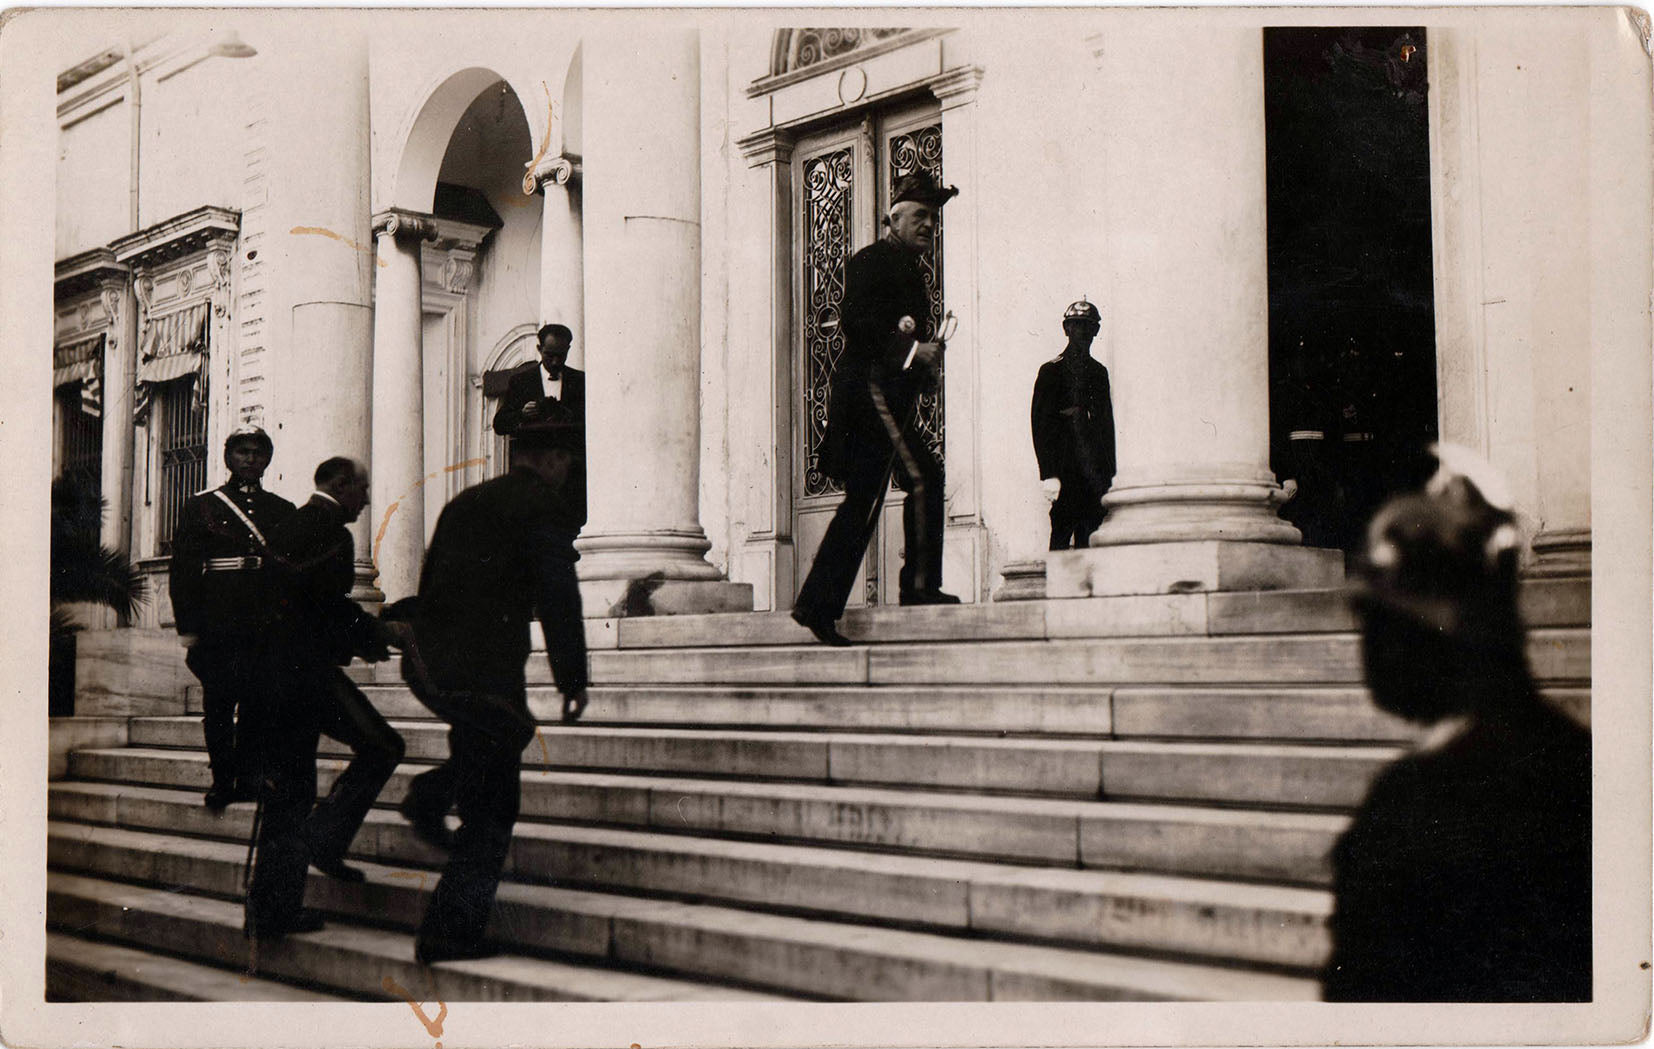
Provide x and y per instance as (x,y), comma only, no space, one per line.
(400,222)
(776,81)
(176,237)
(81,273)
(772,145)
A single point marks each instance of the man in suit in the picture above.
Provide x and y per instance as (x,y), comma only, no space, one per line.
(503,551)
(222,599)
(548,393)
(871,420)
(1073,422)
(317,629)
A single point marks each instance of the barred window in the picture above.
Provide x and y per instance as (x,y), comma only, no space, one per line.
(80,439)
(182,453)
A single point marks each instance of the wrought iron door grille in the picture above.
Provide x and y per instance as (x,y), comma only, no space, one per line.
(911,151)
(829,194)
(183,455)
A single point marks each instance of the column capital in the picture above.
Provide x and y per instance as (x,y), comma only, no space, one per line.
(957,87)
(564,170)
(399,222)
(772,145)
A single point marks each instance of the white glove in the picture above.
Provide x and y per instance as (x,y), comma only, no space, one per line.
(187,640)
(1052,487)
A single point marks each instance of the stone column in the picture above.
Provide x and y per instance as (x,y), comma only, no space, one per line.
(1182,196)
(642,549)
(396,510)
(120,373)
(311,256)
(562,270)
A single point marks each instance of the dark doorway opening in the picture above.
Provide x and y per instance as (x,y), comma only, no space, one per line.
(1352,334)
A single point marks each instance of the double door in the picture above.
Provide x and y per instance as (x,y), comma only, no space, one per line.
(842,181)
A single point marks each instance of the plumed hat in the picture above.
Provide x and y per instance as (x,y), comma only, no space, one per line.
(921,188)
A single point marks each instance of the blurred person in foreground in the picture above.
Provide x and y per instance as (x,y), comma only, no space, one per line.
(1466,874)
(503,551)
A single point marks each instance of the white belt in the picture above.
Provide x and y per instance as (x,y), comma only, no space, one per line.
(231,564)
(1356,438)
(1306,435)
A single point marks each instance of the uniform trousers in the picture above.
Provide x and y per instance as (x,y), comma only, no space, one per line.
(483,777)
(287,792)
(345,714)
(826,589)
(231,670)
(1075,514)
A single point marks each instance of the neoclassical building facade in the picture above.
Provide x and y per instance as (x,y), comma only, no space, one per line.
(344,227)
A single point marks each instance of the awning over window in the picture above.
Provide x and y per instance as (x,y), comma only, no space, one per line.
(77,361)
(175,346)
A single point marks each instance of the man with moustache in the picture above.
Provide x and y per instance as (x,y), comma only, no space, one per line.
(220,579)
(871,423)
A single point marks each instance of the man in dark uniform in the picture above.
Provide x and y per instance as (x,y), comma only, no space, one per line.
(1073,422)
(503,551)
(871,422)
(221,598)
(316,629)
(548,393)
(1466,874)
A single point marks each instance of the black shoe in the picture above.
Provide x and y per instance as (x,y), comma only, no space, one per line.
(927,597)
(428,826)
(822,628)
(306,920)
(219,798)
(336,867)
(429,952)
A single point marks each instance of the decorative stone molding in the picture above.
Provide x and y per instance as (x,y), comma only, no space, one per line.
(143,289)
(562,171)
(218,267)
(397,222)
(957,87)
(799,54)
(770,146)
(88,270)
(203,229)
(458,270)
(1561,552)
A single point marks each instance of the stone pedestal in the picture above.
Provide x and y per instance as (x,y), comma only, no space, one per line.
(397,509)
(643,270)
(1189,567)
(1182,197)
(1024,581)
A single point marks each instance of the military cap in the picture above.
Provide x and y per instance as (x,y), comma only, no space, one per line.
(1081,311)
(1446,556)
(921,188)
(255,434)
(550,434)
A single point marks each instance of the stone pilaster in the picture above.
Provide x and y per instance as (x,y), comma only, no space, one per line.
(562,266)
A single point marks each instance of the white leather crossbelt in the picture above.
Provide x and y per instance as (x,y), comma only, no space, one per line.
(231,564)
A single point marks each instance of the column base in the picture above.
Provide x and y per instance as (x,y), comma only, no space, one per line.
(1190,567)
(658,553)
(1024,581)
(654,596)
(1561,553)
(366,592)
(1239,510)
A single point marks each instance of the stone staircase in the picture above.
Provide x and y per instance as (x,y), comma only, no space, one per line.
(1105,798)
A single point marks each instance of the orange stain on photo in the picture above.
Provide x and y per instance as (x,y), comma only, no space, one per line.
(323,231)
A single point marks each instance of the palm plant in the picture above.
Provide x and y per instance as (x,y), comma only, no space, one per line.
(82,571)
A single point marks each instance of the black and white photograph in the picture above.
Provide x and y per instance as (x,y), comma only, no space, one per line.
(709,517)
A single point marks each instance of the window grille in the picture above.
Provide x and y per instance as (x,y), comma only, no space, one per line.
(183,454)
(80,448)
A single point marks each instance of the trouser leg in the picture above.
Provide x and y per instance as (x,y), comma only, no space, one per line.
(487,783)
(282,858)
(826,589)
(348,716)
(922,521)
(228,671)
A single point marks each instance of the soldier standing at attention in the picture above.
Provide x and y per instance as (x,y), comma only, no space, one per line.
(1073,422)
(222,598)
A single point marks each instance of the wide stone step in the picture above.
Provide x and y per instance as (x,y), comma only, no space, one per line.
(1175,839)
(1255,923)
(352,961)
(1273,774)
(80,970)
(1545,603)
(780,952)
(1557,655)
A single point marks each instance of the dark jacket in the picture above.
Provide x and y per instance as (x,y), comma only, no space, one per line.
(1072,416)
(316,570)
(1466,875)
(223,603)
(527,384)
(884,282)
(502,551)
